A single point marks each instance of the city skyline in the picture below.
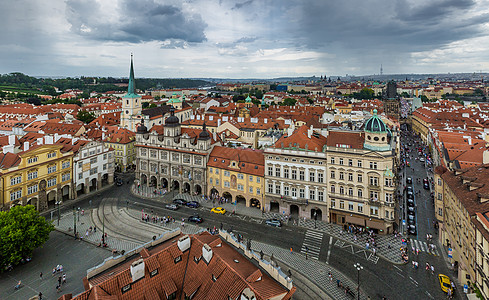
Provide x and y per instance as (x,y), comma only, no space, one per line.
(243,39)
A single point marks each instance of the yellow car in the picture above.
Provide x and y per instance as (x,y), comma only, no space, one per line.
(218,210)
(445,283)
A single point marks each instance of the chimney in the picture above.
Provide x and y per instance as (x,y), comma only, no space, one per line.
(214,136)
(218,122)
(26,146)
(183,243)
(8,149)
(309,133)
(11,139)
(485,157)
(206,253)
(137,270)
(39,141)
(56,137)
(74,140)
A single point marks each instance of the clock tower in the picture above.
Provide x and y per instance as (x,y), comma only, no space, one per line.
(131,104)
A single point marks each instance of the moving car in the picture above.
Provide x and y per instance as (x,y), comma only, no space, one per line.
(409,180)
(445,283)
(180,201)
(193,204)
(274,222)
(426,186)
(195,219)
(421,159)
(172,206)
(218,210)
(119,182)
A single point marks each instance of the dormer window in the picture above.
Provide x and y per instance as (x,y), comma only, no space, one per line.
(177,259)
(153,273)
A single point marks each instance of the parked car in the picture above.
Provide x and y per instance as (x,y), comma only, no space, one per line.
(218,210)
(195,219)
(172,206)
(180,201)
(193,204)
(412,229)
(426,186)
(411,212)
(274,222)
(445,283)
(410,202)
(119,182)
(409,180)
(411,209)
(410,221)
(425,180)
(411,217)
(421,159)
(410,195)
(410,189)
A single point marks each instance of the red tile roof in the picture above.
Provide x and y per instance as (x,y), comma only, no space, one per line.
(248,161)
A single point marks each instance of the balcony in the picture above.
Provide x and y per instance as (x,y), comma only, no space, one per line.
(288,199)
(389,204)
(374,202)
(374,187)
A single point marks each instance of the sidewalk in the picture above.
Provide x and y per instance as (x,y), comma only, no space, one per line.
(391,253)
(82,225)
(315,271)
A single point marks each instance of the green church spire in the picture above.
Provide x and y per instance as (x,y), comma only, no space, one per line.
(131,87)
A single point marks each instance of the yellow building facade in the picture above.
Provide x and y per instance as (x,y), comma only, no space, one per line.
(237,175)
(41,176)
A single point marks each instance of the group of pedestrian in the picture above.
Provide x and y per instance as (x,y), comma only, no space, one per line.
(430,268)
(61,281)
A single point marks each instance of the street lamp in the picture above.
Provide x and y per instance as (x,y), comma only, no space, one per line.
(74,221)
(58,203)
(315,218)
(358,267)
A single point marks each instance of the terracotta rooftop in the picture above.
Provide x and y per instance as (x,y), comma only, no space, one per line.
(248,161)
(473,194)
(166,269)
(300,139)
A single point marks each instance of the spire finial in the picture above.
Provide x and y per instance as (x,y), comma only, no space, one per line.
(131,87)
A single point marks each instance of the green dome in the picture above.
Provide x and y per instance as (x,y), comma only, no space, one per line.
(375,124)
(248,99)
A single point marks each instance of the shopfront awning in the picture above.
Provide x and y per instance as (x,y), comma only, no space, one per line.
(355,220)
(375,224)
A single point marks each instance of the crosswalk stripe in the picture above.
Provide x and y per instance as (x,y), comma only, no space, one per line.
(312,242)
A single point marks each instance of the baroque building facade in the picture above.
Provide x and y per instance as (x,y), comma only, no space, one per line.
(169,156)
(341,176)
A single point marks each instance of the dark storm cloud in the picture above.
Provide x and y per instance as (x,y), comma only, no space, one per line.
(242,4)
(134,21)
(396,25)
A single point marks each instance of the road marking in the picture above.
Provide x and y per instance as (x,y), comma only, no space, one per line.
(415,282)
(429,295)
(401,275)
(373,258)
(397,267)
(329,251)
(259,221)
(312,244)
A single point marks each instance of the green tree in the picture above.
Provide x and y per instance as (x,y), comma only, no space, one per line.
(404,95)
(21,231)
(365,93)
(424,98)
(289,102)
(479,92)
(85,116)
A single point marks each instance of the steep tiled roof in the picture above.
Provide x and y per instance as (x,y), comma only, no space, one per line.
(352,139)
(120,136)
(224,276)
(248,161)
(300,139)
(468,193)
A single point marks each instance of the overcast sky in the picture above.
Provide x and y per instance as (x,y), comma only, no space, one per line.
(243,39)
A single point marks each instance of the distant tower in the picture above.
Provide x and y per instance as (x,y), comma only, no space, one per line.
(131,104)
(381,70)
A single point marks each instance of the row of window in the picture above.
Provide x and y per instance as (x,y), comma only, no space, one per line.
(32,175)
(374,211)
(294,160)
(174,156)
(292,174)
(341,162)
(251,178)
(14,195)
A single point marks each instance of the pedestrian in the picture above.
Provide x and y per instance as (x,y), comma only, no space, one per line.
(40,275)
(59,280)
(432,269)
(94,229)
(39,296)
(330,275)
(221,225)
(291,251)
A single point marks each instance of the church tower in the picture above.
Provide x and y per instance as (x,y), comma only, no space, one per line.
(131,104)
